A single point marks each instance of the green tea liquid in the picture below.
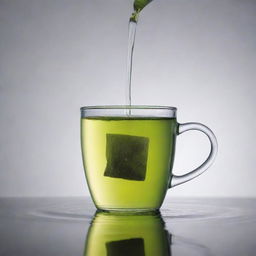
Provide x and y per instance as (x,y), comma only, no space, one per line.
(113,187)
(138,5)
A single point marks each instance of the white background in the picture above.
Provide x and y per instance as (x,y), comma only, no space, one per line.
(56,56)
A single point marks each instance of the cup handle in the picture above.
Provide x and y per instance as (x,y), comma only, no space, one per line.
(177,180)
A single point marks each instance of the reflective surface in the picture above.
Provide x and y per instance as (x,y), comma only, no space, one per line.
(71,226)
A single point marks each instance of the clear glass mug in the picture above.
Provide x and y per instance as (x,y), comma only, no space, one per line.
(128,154)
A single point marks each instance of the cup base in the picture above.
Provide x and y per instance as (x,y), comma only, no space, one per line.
(131,211)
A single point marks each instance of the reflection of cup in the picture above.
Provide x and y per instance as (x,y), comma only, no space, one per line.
(121,235)
(128,153)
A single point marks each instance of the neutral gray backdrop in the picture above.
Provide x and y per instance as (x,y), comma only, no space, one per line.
(58,55)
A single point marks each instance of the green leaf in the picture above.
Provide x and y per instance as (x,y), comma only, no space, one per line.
(140,4)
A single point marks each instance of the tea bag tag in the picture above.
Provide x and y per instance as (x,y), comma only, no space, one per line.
(127,247)
(126,156)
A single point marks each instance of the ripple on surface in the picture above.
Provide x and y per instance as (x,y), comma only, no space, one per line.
(175,211)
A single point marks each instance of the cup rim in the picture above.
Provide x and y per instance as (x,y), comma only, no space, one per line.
(128,107)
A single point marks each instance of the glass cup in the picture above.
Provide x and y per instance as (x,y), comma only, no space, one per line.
(128,154)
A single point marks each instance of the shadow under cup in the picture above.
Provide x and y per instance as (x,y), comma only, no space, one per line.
(128,154)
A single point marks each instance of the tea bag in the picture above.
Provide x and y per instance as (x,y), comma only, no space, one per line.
(128,247)
(126,156)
